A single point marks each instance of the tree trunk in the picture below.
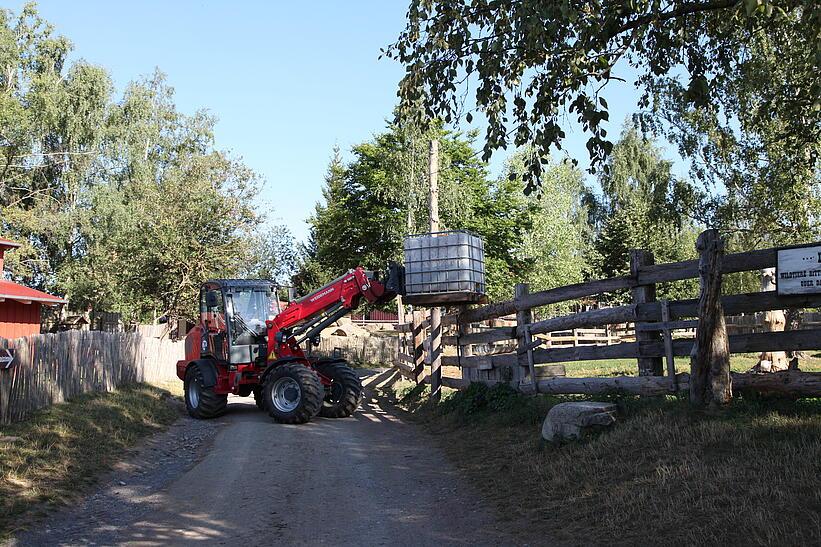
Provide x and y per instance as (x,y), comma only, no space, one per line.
(710,384)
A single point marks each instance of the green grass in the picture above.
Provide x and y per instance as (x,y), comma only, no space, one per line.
(663,473)
(617,367)
(62,449)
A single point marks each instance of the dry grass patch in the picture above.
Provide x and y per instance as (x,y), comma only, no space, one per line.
(61,450)
(662,474)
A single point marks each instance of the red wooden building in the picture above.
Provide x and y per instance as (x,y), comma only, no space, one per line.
(19,305)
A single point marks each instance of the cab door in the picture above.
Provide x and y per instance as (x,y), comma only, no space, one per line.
(212,317)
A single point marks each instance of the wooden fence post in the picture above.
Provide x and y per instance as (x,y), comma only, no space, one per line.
(524,317)
(436,354)
(469,374)
(418,341)
(648,366)
(710,383)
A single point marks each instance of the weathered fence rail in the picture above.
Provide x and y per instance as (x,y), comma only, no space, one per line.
(51,368)
(524,356)
(359,350)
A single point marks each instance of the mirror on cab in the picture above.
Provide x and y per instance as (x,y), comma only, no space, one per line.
(212,299)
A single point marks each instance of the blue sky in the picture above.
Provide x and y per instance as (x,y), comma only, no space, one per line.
(287,80)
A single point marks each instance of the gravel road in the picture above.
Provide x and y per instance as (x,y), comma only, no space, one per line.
(371,479)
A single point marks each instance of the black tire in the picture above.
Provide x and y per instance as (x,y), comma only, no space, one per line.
(293,393)
(259,397)
(345,392)
(200,401)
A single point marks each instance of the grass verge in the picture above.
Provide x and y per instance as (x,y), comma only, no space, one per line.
(663,473)
(60,451)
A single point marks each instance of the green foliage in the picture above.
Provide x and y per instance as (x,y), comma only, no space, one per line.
(551,240)
(381,196)
(480,398)
(531,63)
(273,255)
(755,146)
(372,203)
(120,205)
(635,212)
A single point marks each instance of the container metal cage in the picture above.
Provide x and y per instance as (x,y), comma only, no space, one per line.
(444,267)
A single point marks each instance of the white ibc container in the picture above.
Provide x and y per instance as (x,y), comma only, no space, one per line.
(445,263)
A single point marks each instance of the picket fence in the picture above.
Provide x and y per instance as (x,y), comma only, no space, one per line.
(51,368)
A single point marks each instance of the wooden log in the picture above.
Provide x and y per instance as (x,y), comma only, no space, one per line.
(590,318)
(689,269)
(624,385)
(543,298)
(733,305)
(642,294)
(710,363)
(790,383)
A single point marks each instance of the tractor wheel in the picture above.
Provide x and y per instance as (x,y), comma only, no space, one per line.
(259,397)
(200,401)
(345,392)
(293,393)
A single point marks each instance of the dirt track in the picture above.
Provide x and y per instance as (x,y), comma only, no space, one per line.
(367,480)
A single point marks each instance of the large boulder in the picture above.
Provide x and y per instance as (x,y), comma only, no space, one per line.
(569,420)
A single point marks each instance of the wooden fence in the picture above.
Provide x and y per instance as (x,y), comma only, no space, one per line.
(51,368)
(524,362)
(359,350)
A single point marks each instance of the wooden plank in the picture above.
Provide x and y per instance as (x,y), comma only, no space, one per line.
(791,383)
(626,385)
(647,274)
(590,318)
(436,353)
(739,343)
(733,305)
(667,325)
(688,269)
(495,334)
(668,344)
(791,340)
(418,341)
(646,312)
(543,298)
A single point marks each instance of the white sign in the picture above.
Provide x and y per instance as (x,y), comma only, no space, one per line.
(6,358)
(799,270)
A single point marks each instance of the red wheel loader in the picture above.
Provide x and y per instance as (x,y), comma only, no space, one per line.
(245,344)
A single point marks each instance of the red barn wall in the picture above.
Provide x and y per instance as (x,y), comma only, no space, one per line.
(18,320)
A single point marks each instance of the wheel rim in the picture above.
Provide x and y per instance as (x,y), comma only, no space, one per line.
(286,394)
(334,394)
(194,390)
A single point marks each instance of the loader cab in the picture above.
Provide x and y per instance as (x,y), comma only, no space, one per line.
(233,314)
